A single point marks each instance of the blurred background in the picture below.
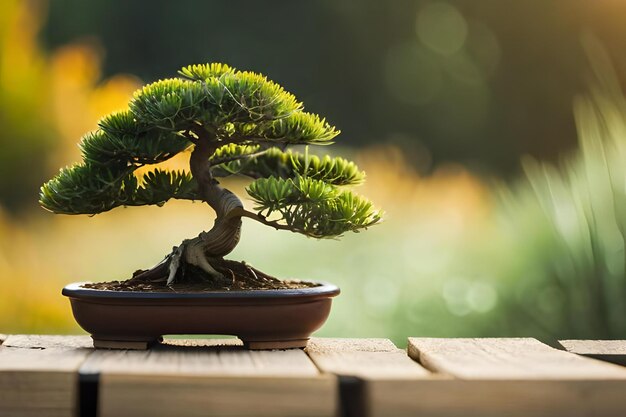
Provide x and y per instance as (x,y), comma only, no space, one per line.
(493,134)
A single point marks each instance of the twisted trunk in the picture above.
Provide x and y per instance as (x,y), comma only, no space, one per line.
(221,239)
(217,242)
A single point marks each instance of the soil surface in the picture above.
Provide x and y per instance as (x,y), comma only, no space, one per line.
(238,276)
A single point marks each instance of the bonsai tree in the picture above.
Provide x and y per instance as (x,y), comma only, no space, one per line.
(234,123)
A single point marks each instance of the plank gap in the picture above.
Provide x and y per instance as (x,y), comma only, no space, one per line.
(88,384)
(352,397)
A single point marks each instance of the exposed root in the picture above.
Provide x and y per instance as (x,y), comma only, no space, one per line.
(233,277)
(189,254)
(176,255)
(157,273)
(195,255)
(251,271)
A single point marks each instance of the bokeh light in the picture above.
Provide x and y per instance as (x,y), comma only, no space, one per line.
(441,27)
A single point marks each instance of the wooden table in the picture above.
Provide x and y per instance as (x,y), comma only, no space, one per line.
(65,376)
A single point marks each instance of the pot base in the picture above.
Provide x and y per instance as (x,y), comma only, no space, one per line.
(268,319)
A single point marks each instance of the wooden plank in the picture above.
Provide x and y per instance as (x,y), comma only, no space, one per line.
(363,358)
(39,374)
(504,377)
(518,358)
(498,398)
(48,342)
(595,347)
(613,351)
(200,378)
(368,370)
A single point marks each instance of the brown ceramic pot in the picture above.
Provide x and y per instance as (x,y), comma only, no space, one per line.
(263,319)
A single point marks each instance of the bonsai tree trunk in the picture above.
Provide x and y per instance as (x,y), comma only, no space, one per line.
(222,238)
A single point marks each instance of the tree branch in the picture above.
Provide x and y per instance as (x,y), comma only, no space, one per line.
(242,212)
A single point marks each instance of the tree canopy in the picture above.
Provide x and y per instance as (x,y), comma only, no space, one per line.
(249,121)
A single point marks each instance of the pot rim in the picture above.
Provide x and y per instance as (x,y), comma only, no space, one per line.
(74,290)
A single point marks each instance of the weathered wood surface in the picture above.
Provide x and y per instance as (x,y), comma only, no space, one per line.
(595,347)
(48,342)
(369,370)
(363,358)
(607,350)
(39,375)
(60,376)
(209,378)
(506,359)
(512,377)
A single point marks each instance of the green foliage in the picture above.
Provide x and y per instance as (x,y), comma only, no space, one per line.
(158,186)
(172,104)
(232,105)
(93,189)
(246,97)
(200,72)
(87,189)
(300,128)
(312,207)
(232,150)
(122,140)
(243,111)
(286,164)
